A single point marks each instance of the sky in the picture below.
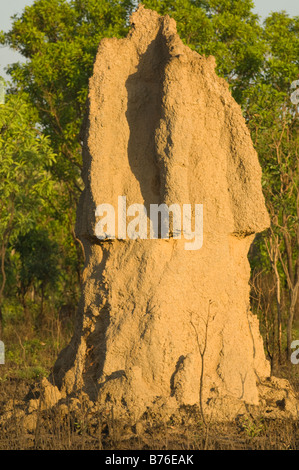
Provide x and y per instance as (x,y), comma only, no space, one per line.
(11,7)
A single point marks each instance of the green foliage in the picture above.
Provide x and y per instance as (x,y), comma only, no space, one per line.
(273,121)
(25,160)
(60,39)
(38,259)
(25,181)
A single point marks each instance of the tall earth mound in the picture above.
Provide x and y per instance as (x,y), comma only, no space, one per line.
(161,325)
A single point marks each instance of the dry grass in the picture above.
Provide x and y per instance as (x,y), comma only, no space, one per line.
(81,431)
(30,359)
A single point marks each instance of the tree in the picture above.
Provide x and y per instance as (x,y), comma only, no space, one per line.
(25,182)
(39,263)
(59,39)
(273,120)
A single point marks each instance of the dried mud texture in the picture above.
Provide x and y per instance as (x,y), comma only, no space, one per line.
(160,327)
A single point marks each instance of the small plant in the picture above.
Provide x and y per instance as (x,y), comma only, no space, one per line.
(252,427)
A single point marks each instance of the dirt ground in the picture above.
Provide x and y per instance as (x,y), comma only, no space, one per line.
(80,431)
